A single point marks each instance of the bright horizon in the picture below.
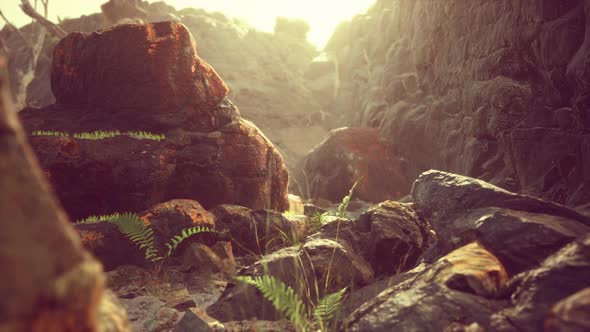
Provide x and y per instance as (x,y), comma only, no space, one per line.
(322,15)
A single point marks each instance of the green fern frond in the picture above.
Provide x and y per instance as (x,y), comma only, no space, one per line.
(139,233)
(282,297)
(328,308)
(185,234)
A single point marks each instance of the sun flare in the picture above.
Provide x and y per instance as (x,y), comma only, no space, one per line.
(322,15)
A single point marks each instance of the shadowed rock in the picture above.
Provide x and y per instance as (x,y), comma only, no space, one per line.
(49,283)
(520,230)
(437,295)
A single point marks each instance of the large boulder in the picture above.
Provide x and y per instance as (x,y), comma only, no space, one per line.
(390,236)
(458,287)
(539,290)
(256,232)
(520,230)
(106,242)
(155,83)
(349,155)
(49,282)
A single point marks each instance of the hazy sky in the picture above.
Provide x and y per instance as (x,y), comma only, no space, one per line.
(322,15)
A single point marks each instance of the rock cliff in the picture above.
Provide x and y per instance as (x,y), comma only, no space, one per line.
(494,89)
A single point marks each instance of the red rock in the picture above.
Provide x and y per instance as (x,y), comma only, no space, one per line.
(155,83)
(159,61)
(348,155)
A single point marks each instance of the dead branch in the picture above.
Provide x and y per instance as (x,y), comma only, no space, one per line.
(52,28)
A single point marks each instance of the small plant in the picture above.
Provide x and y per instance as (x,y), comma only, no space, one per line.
(97,134)
(185,234)
(289,304)
(49,133)
(139,233)
(318,219)
(146,135)
(341,212)
(102,134)
(99,218)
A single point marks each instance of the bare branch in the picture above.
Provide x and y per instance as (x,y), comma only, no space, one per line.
(52,28)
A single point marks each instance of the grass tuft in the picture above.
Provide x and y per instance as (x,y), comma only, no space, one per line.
(102,134)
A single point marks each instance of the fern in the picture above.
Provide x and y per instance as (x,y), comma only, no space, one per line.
(282,297)
(139,233)
(290,305)
(328,308)
(186,233)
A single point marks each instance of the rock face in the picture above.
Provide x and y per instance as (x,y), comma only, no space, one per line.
(263,70)
(496,90)
(49,282)
(349,155)
(155,83)
(520,230)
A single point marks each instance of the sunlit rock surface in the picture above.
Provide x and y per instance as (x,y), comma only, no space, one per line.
(155,83)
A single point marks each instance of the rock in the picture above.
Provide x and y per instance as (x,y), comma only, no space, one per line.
(51,283)
(538,290)
(181,303)
(204,260)
(304,269)
(389,236)
(196,320)
(170,218)
(209,154)
(106,243)
(161,64)
(520,230)
(435,296)
(295,205)
(256,232)
(112,317)
(259,326)
(429,308)
(150,313)
(570,314)
(348,155)
(473,96)
(311,209)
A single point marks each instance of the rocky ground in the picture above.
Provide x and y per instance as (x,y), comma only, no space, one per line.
(152,129)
